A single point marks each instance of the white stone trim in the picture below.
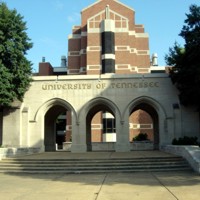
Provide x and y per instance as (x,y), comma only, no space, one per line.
(108,25)
(88,67)
(119,65)
(83,51)
(73,53)
(125,48)
(74,36)
(141,54)
(89,48)
(103,76)
(77,53)
(138,126)
(116,30)
(73,71)
(138,35)
(84,34)
(132,50)
(102,12)
(121,30)
(117,1)
(153,68)
(94,30)
(108,115)
(82,69)
(108,56)
(129,67)
(100,127)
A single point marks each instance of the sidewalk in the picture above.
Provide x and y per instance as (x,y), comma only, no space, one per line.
(148,186)
(112,186)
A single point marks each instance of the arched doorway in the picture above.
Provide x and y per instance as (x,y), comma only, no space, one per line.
(144,121)
(140,122)
(100,128)
(57,123)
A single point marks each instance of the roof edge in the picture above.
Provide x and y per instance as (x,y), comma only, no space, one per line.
(117,1)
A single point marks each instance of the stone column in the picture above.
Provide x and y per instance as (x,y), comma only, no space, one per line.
(78,135)
(122,131)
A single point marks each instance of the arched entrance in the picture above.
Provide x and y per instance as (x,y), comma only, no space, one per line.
(55,128)
(57,124)
(141,126)
(144,112)
(100,128)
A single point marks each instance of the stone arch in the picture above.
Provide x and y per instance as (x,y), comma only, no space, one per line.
(155,110)
(55,101)
(100,101)
(45,118)
(91,108)
(144,99)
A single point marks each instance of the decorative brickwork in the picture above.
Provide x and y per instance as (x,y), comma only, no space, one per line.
(112,43)
(130,41)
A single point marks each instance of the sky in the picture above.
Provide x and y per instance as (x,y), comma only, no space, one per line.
(49,23)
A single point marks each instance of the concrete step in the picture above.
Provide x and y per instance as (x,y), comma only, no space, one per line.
(93,165)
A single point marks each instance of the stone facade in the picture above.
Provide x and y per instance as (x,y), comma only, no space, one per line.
(30,125)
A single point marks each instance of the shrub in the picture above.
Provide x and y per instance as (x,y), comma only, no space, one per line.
(185,141)
(141,137)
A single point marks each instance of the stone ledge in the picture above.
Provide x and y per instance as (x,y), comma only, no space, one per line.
(141,145)
(190,153)
(13,151)
(111,146)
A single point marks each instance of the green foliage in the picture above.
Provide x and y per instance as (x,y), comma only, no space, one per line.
(185,141)
(141,137)
(185,73)
(15,69)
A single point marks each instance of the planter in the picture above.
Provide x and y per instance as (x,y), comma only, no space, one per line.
(141,145)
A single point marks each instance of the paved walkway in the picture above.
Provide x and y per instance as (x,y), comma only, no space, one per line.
(148,186)
(116,186)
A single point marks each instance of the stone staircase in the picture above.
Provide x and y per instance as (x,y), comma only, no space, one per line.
(93,165)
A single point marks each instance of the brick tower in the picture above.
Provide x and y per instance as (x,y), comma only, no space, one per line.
(108,41)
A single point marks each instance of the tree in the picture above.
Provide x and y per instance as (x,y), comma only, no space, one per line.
(15,69)
(185,61)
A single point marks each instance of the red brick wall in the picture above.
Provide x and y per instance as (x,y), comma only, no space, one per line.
(141,117)
(45,69)
(97,127)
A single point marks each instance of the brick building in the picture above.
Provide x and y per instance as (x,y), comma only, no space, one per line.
(107,41)
(107,91)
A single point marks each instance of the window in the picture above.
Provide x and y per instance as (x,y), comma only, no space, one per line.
(109,125)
